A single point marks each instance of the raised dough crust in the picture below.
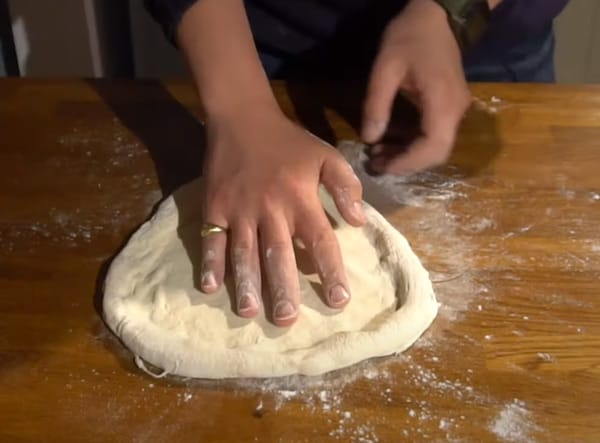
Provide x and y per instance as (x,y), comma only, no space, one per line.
(151,303)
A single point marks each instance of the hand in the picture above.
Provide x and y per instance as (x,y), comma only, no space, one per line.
(420,57)
(262,174)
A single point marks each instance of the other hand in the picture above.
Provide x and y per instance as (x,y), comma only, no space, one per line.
(420,58)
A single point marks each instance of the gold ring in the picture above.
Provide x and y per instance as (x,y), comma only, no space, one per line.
(211,228)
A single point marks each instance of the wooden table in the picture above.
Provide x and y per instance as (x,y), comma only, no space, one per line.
(510,232)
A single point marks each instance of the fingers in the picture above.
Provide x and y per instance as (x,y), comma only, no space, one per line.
(322,244)
(213,259)
(280,268)
(442,109)
(246,269)
(344,186)
(423,153)
(386,77)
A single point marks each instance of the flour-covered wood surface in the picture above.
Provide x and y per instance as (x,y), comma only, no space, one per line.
(510,232)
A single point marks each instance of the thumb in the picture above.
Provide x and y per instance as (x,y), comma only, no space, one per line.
(442,109)
(344,186)
(386,77)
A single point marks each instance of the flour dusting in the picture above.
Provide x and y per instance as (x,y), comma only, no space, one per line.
(430,402)
(439,236)
(490,105)
(103,156)
(513,423)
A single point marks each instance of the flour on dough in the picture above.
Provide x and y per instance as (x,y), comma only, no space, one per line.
(152,304)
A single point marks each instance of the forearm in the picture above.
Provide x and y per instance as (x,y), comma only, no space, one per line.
(216,40)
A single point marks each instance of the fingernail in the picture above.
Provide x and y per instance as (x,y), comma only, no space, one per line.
(358,211)
(284,310)
(208,281)
(373,130)
(338,295)
(247,302)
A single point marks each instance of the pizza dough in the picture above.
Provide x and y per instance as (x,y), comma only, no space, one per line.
(152,304)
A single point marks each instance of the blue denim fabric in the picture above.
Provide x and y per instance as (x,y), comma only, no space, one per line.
(531,61)
(294,36)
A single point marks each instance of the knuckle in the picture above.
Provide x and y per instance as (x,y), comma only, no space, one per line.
(341,172)
(279,185)
(296,189)
(208,265)
(275,249)
(289,196)
(215,198)
(343,195)
(282,293)
(241,249)
(356,186)
(388,66)
(322,239)
(325,256)
(245,286)
(241,268)
(267,205)
(210,261)
(209,255)
(385,69)
(211,247)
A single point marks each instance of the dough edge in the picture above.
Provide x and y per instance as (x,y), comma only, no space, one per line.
(398,332)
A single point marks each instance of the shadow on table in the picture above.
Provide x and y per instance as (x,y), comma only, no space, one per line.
(172,135)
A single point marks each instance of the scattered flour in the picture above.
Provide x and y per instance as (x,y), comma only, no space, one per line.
(491,105)
(441,238)
(415,383)
(388,192)
(544,356)
(513,423)
(73,227)
(410,382)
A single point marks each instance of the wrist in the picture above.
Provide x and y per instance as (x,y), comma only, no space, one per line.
(237,104)
(243,115)
(216,40)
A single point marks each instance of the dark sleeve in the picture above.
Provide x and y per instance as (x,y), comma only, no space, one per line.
(527,17)
(516,21)
(168,14)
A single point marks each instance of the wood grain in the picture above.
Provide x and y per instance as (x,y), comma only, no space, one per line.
(510,231)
